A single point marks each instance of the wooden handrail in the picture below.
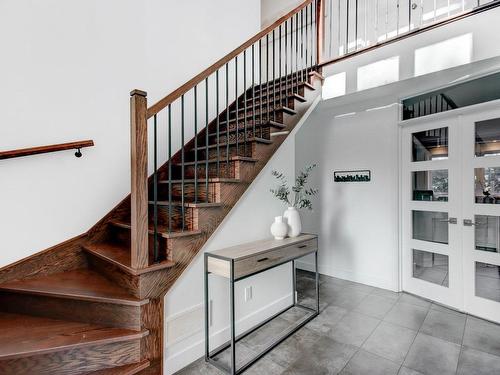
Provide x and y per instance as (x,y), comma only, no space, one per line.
(162,103)
(45,149)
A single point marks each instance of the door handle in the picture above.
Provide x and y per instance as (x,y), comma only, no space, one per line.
(451,220)
(468,223)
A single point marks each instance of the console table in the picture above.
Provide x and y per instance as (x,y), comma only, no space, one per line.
(242,261)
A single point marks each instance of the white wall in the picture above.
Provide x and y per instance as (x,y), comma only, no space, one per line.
(66,72)
(358,223)
(271,10)
(249,220)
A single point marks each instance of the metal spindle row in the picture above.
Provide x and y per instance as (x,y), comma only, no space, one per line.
(357,24)
(271,70)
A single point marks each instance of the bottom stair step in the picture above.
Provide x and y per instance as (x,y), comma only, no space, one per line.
(131,369)
(32,345)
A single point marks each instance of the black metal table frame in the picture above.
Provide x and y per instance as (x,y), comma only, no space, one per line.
(209,355)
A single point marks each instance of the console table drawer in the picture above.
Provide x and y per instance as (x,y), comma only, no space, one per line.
(251,264)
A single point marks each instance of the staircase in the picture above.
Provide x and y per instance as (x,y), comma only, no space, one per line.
(94,304)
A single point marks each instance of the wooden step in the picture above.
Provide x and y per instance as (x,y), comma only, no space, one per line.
(81,284)
(290,89)
(231,159)
(265,109)
(271,124)
(162,230)
(24,335)
(210,189)
(233,143)
(294,95)
(119,255)
(131,369)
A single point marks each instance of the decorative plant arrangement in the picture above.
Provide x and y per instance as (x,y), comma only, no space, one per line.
(295,197)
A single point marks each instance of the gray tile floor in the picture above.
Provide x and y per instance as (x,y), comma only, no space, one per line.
(365,330)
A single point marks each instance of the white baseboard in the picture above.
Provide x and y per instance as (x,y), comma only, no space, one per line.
(176,361)
(350,275)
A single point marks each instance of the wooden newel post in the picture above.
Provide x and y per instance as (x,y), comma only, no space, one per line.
(139,174)
(320,32)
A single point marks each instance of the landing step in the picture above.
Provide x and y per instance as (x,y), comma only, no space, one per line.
(81,284)
(221,160)
(162,230)
(233,143)
(24,335)
(119,255)
(132,369)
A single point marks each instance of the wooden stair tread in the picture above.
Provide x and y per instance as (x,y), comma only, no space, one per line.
(188,204)
(131,369)
(221,160)
(233,143)
(212,180)
(271,124)
(291,83)
(24,335)
(120,257)
(283,108)
(279,97)
(162,230)
(80,284)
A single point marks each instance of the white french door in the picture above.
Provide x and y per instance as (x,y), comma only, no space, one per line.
(450,181)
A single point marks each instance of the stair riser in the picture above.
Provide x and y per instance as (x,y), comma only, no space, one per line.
(177,214)
(290,79)
(75,361)
(300,90)
(226,170)
(107,314)
(287,101)
(260,132)
(122,235)
(267,115)
(189,192)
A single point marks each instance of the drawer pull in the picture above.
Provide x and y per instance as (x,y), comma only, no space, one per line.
(302,246)
(263,259)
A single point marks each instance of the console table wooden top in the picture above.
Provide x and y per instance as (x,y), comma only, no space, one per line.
(251,249)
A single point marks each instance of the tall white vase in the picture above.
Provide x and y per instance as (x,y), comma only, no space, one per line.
(293,220)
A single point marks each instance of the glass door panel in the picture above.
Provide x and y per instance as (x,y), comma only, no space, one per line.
(481,213)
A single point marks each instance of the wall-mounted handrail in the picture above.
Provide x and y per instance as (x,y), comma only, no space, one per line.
(176,94)
(46,149)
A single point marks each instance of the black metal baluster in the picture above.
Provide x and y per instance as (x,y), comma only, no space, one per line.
(253,90)
(297,53)
(245,102)
(280,96)
(307,41)
(155,192)
(356,31)
(312,36)
(286,63)
(274,77)
(268,82)
(291,56)
(236,100)
(195,144)
(347,28)
(227,121)
(409,15)
(182,163)
(170,167)
(260,80)
(302,77)
(206,137)
(218,119)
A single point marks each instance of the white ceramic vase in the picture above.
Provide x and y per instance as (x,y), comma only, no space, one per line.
(279,228)
(293,221)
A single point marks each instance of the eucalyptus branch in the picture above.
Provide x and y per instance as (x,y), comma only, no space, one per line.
(299,190)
